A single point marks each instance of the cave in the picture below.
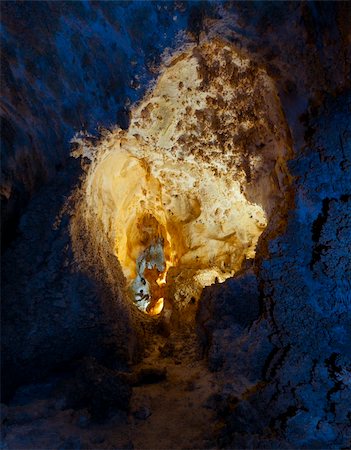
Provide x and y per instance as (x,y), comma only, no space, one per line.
(185,193)
(176,239)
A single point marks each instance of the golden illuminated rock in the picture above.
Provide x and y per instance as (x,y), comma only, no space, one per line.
(193,182)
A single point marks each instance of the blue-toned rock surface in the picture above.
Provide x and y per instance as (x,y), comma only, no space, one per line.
(276,340)
(301,344)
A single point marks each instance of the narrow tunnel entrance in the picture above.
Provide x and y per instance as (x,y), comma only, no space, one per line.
(151,267)
(185,193)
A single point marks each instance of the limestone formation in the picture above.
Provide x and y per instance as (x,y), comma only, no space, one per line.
(192,117)
(201,170)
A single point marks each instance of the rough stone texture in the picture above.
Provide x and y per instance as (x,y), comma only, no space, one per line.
(226,310)
(196,176)
(98,389)
(309,302)
(286,378)
(72,66)
(295,361)
(67,67)
(52,310)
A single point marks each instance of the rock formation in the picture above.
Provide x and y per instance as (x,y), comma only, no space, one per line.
(211,129)
(195,178)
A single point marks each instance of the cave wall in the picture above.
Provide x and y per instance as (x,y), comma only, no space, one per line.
(54,309)
(289,353)
(66,67)
(311,304)
(69,66)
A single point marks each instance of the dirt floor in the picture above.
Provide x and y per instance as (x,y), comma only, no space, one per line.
(171,413)
(177,408)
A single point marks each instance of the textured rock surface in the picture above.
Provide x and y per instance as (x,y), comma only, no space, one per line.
(52,311)
(295,360)
(200,171)
(98,389)
(67,67)
(282,376)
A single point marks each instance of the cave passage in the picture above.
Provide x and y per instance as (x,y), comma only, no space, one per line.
(148,285)
(185,193)
(179,231)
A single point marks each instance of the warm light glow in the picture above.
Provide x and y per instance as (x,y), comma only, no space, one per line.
(153,311)
(162,278)
(186,192)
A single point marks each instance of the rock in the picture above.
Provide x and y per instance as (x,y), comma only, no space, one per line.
(98,389)
(285,352)
(83,420)
(97,439)
(150,375)
(167,350)
(72,443)
(60,404)
(3,412)
(142,413)
(213,176)
(127,446)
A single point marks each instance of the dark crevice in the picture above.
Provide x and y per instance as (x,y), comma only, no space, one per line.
(345,198)
(334,370)
(321,220)
(317,227)
(269,361)
(281,421)
(275,361)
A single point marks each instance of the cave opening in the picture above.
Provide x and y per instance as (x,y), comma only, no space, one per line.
(185,193)
(151,266)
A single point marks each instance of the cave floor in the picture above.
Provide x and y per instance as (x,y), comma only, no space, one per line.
(180,416)
(173,413)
